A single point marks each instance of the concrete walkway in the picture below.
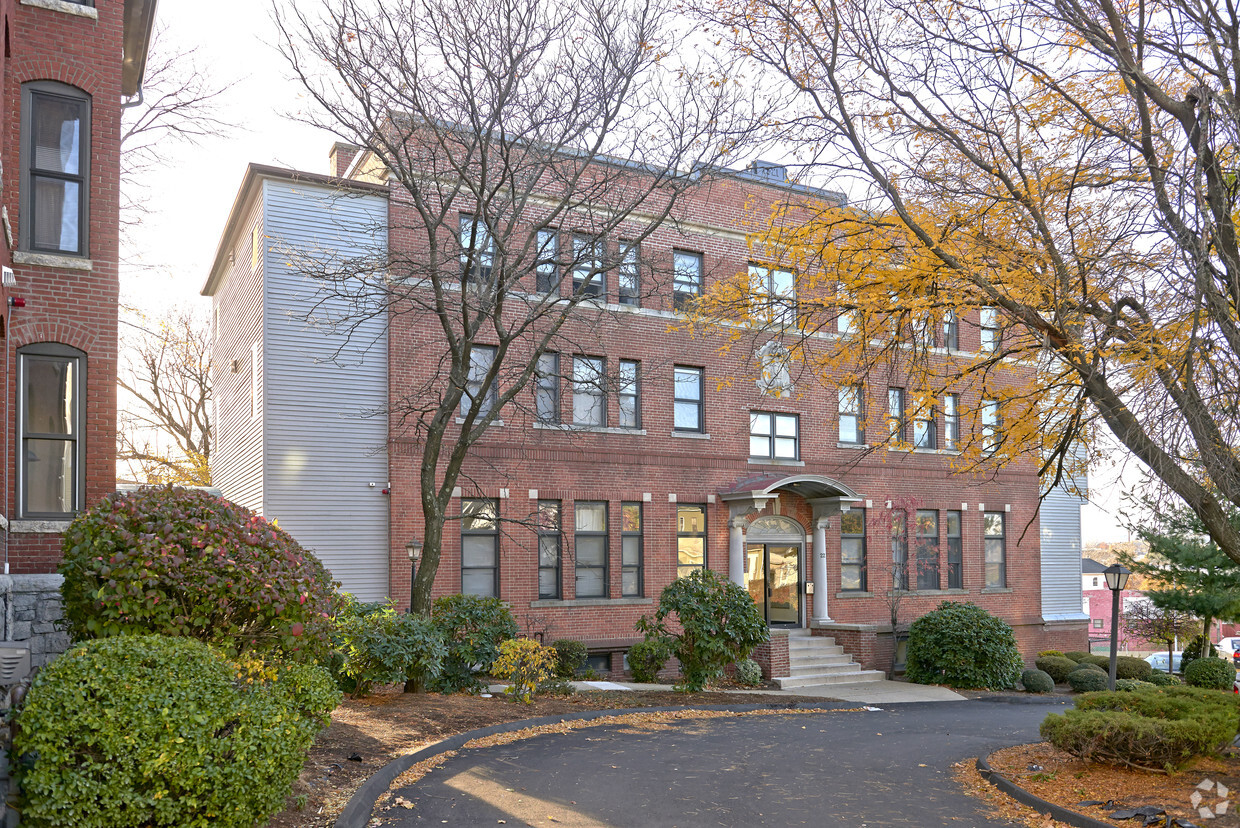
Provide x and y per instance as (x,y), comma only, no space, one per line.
(866,692)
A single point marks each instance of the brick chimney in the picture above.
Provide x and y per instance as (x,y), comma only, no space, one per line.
(340,157)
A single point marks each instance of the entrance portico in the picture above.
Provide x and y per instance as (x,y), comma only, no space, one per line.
(826,498)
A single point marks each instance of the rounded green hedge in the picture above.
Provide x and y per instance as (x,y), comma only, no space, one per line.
(1210,673)
(1057,667)
(135,731)
(570,656)
(183,562)
(1087,681)
(1076,655)
(961,645)
(748,672)
(1086,665)
(1161,679)
(1097,660)
(646,659)
(1131,667)
(1037,681)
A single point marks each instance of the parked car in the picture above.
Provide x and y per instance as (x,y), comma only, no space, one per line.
(1229,648)
(1159,661)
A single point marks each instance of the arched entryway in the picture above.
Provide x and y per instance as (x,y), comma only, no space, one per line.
(774,576)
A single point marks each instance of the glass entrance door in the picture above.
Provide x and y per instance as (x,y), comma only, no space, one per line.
(773,576)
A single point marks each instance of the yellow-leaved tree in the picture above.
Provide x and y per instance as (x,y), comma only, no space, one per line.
(1055,178)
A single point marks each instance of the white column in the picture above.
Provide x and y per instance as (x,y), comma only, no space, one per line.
(736,551)
(820,570)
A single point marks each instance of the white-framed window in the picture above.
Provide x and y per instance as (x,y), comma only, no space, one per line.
(590,549)
(773,436)
(686,277)
(687,398)
(628,393)
(772,295)
(547,389)
(896,415)
(547,266)
(852,550)
(481,358)
(480,547)
(852,411)
(925,427)
(627,275)
(51,408)
(990,334)
(589,391)
(589,279)
(951,330)
(995,539)
(951,421)
(477,251)
(55,169)
(992,426)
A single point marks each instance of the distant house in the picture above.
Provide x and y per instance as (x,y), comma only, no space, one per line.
(1092,575)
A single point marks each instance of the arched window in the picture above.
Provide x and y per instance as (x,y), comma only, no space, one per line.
(55,171)
(50,402)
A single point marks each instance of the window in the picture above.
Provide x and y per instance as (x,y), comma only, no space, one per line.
(629,393)
(996,551)
(480,547)
(991,426)
(846,321)
(627,275)
(895,414)
(1097,622)
(588,276)
(899,550)
(690,538)
(589,401)
(477,251)
(631,550)
(990,330)
(925,429)
(951,534)
(547,389)
(687,401)
(852,403)
(590,547)
(773,295)
(548,548)
(51,390)
(481,358)
(547,268)
(55,168)
(773,435)
(927,558)
(951,421)
(852,550)
(1095,581)
(951,330)
(686,277)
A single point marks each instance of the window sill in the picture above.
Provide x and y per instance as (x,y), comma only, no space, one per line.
(22,257)
(855,593)
(584,429)
(75,9)
(930,593)
(461,421)
(767,461)
(35,526)
(853,445)
(550,603)
(996,590)
(691,435)
(915,450)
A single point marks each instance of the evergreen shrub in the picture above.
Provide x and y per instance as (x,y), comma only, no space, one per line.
(1057,667)
(646,659)
(1212,673)
(961,645)
(1037,681)
(383,646)
(570,656)
(473,628)
(1087,680)
(1076,655)
(749,672)
(1131,667)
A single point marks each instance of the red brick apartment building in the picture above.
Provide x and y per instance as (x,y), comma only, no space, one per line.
(67,67)
(584,504)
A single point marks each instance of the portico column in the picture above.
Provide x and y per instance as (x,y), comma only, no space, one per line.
(820,570)
(736,550)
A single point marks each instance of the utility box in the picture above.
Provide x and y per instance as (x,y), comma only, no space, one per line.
(14,663)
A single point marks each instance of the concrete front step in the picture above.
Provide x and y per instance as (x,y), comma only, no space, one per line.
(823,669)
(820,661)
(842,677)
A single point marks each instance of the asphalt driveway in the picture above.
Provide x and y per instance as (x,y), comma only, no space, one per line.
(867,768)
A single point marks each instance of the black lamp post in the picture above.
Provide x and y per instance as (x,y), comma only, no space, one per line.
(1117,579)
(414,550)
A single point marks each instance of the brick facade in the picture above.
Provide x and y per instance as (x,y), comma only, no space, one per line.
(69,299)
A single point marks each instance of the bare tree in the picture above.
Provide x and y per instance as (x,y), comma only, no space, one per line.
(502,127)
(166,436)
(1167,626)
(1062,165)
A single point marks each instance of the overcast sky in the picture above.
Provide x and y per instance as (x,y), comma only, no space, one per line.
(190,199)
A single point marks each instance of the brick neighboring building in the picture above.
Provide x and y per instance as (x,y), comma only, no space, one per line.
(66,69)
(679,464)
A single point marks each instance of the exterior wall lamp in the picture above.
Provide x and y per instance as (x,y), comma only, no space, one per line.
(414,550)
(1117,579)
